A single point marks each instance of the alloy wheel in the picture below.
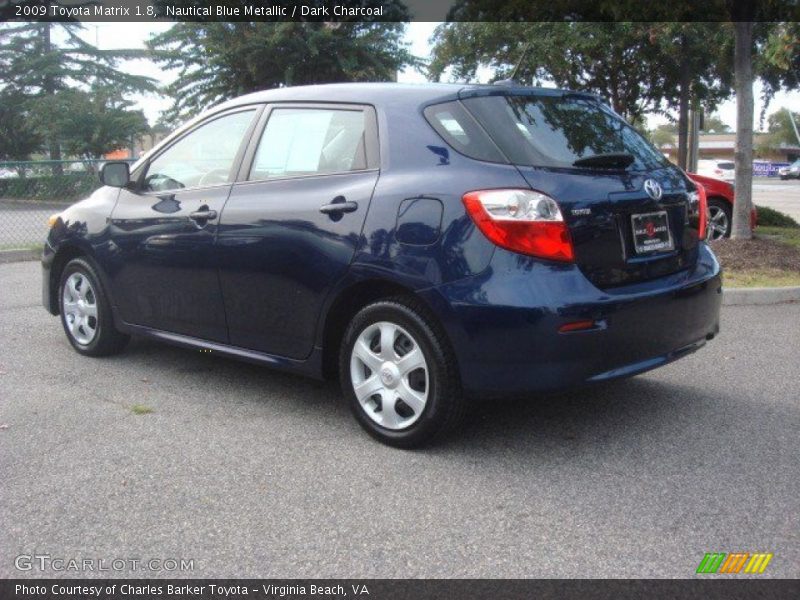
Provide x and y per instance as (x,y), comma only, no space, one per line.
(718,223)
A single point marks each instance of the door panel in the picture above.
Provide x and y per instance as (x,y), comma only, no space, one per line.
(166,275)
(293,222)
(280,256)
(164,272)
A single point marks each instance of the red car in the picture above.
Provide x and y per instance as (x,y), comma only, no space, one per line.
(720,206)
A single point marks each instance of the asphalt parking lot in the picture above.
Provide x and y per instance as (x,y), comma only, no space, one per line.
(780,195)
(254,473)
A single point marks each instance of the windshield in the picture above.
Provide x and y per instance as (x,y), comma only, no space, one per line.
(556,131)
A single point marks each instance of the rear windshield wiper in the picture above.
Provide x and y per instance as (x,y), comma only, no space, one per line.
(610,160)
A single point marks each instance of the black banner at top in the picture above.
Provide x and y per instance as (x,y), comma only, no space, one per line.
(399,10)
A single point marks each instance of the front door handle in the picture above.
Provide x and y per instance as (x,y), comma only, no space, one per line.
(203,214)
(338,207)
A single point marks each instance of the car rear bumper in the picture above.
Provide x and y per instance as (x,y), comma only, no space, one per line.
(504,323)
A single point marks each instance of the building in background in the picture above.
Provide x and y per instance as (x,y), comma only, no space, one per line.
(722,145)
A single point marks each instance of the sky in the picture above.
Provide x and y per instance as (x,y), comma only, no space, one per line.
(133,35)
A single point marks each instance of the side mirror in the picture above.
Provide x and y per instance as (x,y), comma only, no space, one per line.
(115,174)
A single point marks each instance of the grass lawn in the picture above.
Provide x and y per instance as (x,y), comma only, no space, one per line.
(762,278)
(787,235)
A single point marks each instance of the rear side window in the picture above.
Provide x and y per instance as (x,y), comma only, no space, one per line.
(310,141)
(460,131)
(556,131)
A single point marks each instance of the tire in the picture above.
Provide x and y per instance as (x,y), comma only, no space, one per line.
(424,391)
(721,211)
(86,312)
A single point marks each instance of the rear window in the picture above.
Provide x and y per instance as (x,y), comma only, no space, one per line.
(725,165)
(555,131)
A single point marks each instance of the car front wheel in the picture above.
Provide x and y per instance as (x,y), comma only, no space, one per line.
(86,312)
(399,374)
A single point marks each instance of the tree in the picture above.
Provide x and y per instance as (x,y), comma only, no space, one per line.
(781,128)
(663,135)
(216,61)
(90,124)
(713,124)
(769,51)
(34,63)
(614,60)
(743,153)
(19,138)
(689,55)
(637,67)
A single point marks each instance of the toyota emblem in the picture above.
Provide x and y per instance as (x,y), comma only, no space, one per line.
(653,189)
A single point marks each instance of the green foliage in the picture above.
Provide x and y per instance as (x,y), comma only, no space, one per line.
(19,138)
(620,10)
(90,124)
(713,124)
(777,62)
(635,66)
(65,187)
(35,64)
(769,217)
(41,73)
(663,135)
(780,129)
(216,61)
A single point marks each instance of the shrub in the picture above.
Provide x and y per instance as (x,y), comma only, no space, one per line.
(769,217)
(70,186)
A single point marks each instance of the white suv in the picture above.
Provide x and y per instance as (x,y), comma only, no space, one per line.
(718,168)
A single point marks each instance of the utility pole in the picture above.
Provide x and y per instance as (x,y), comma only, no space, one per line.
(794,125)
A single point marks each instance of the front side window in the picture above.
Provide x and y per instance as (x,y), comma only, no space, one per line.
(310,141)
(204,157)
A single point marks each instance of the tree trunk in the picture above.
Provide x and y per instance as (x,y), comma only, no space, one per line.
(53,145)
(743,72)
(683,108)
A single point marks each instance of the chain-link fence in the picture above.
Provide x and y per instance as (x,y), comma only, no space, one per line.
(31,191)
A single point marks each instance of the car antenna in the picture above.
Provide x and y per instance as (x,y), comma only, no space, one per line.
(511,80)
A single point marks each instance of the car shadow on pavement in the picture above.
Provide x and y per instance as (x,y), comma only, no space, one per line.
(586,416)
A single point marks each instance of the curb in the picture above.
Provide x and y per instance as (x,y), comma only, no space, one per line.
(759,296)
(9,256)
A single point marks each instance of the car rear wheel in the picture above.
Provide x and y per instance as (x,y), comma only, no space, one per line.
(399,375)
(719,219)
(86,312)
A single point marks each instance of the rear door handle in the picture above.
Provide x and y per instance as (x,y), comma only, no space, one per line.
(338,207)
(203,215)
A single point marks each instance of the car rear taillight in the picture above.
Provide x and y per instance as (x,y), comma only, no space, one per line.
(703,222)
(718,172)
(698,210)
(522,221)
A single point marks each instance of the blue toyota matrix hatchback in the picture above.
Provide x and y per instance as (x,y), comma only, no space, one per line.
(424,243)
